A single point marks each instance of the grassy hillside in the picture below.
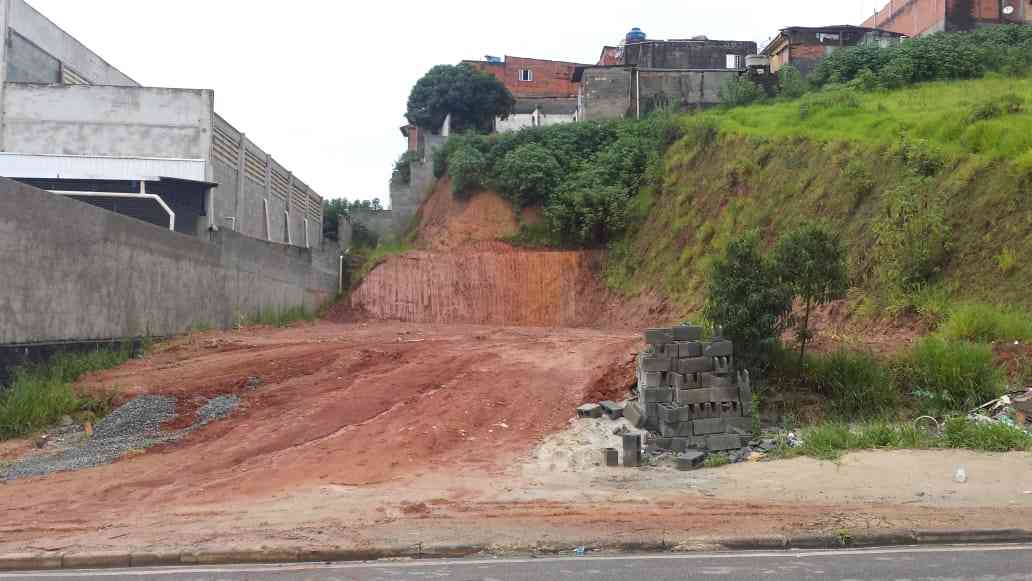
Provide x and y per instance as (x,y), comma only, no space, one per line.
(851,158)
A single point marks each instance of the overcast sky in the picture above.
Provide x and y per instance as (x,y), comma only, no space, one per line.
(322,85)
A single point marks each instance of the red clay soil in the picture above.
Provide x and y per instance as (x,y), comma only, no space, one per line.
(341,404)
(835,326)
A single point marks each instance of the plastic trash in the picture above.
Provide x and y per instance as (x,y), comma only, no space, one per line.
(960,476)
(580,551)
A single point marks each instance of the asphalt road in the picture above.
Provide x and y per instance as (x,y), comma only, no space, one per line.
(984,563)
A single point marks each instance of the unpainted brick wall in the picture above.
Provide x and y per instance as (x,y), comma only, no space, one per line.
(550,78)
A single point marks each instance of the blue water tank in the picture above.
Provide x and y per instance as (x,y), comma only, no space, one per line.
(635,35)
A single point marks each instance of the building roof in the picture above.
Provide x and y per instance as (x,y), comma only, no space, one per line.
(837,28)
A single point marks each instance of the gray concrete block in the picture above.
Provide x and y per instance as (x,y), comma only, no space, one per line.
(632,450)
(659,336)
(631,442)
(670,350)
(657,395)
(677,380)
(711,380)
(655,363)
(652,411)
(718,349)
(695,365)
(678,429)
(685,443)
(610,457)
(612,409)
(635,414)
(589,410)
(740,426)
(745,397)
(723,394)
(687,333)
(663,443)
(690,459)
(722,442)
(723,365)
(708,426)
(651,379)
(632,459)
(669,413)
(689,349)
(692,396)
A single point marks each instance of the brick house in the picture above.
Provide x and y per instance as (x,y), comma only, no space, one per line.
(544,90)
(804,48)
(921,17)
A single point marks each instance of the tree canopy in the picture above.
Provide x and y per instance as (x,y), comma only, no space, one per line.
(472,97)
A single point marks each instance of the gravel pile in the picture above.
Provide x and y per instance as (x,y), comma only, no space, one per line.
(132,427)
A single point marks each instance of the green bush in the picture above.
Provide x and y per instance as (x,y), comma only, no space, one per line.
(1009,104)
(738,91)
(987,323)
(39,395)
(468,169)
(527,174)
(856,384)
(587,216)
(950,376)
(747,299)
(911,237)
(791,83)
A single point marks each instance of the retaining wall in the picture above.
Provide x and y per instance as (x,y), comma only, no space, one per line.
(73,272)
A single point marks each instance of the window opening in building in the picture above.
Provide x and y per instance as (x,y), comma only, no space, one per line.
(732,61)
(526,75)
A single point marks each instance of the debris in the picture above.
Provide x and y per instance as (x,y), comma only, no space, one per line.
(589,410)
(960,476)
(767,445)
(580,551)
(614,410)
(66,420)
(690,459)
(793,440)
(755,456)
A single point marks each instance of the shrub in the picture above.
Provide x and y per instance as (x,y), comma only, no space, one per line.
(791,82)
(811,261)
(701,131)
(950,376)
(528,174)
(986,323)
(587,216)
(1007,261)
(911,237)
(39,395)
(866,81)
(856,384)
(738,91)
(745,297)
(1008,104)
(467,168)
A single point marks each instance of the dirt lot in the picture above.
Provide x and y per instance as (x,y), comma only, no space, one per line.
(388,433)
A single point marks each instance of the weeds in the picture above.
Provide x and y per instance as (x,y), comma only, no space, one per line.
(715,461)
(856,383)
(989,436)
(987,323)
(39,395)
(950,376)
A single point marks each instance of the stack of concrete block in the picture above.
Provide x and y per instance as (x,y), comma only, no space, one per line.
(689,393)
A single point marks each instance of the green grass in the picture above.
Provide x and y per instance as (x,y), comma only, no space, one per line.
(950,376)
(715,461)
(39,395)
(987,323)
(277,317)
(946,114)
(856,383)
(828,441)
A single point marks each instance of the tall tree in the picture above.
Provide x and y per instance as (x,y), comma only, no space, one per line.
(472,97)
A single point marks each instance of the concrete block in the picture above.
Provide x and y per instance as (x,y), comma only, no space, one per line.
(651,379)
(689,350)
(659,336)
(740,426)
(722,442)
(670,350)
(631,442)
(745,397)
(728,409)
(685,443)
(655,363)
(668,412)
(677,380)
(718,349)
(723,365)
(635,414)
(589,410)
(662,443)
(711,380)
(687,333)
(693,396)
(610,457)
(632,459)
(612,409)
(695,365)
(632,450)
(657,395)
(678,429)
(708,426)
(723,394)
(690,459)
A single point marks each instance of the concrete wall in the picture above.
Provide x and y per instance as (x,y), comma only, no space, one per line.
(75,272)
(407,198)
(606,93)
(27,63)
(687,54)
(46,35)
(107,120)
(379,221)
(613,92)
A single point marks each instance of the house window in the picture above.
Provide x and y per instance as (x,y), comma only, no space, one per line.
(526,75)
(732,61)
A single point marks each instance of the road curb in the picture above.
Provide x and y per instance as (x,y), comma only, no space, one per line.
(107,560)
